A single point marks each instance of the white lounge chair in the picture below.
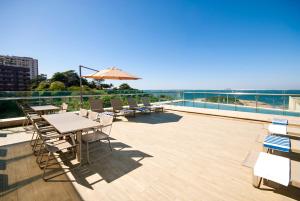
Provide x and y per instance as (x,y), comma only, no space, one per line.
(118,109)
(134,106)
(277,169)
(154,108)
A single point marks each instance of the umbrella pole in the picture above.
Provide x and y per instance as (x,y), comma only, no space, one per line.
(80,81)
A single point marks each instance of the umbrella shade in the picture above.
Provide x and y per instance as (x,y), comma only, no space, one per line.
(112,74)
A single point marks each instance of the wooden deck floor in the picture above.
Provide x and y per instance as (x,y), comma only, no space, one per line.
(20,177)
(165,156)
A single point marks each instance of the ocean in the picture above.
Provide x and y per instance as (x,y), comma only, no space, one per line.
(274,98)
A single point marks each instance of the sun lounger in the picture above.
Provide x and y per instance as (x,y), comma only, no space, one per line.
(133,105)
(281,143)
(154,108)
(277,169)
(118,109)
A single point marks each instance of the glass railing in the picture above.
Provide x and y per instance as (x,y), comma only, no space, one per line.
(279,103)
(9,108)
(266,103)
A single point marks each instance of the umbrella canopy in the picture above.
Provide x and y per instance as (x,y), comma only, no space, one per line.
(112,74)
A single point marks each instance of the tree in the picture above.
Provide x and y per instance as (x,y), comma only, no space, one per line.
(43,85)
(125,86)
(57,86)
(106,86)
(59,76)
(36,81)
(72,78)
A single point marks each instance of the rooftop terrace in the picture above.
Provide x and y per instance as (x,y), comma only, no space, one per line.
(162,156)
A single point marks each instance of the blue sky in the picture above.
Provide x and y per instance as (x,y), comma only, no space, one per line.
(170,44)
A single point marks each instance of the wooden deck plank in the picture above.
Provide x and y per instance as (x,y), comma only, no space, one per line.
(24,178)
(164,156)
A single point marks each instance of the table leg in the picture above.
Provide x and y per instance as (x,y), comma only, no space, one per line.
(256,180)
(78,138)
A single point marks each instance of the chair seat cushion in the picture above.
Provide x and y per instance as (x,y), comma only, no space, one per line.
(278,129)
(94,136)
(277,143)
(272,167)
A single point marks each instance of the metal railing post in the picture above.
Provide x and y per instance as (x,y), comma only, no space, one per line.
(234,103)
(283,105)
(256,98)
(218,102)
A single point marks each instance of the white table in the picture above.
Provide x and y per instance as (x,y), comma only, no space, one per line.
(44,109)
(272,167)
(71,123)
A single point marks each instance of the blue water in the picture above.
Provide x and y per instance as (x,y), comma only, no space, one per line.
(271,100)
(276,101)
(235,108)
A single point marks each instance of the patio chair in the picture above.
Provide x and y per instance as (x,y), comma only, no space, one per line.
(275,168)
(99,135)
(55,143)
(83,112)
(96,105)
(43,125)
(154,108)
(118,109)
(41,128)
(29,113)
(93,116)
(134,106)
(63,108)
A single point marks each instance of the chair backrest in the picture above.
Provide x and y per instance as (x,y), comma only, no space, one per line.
(96,105)
(131,102)
(116,104)
(146,101)
(93,115)
(83,112)
(64,107)
(106,122)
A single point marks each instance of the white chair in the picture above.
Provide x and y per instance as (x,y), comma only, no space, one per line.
(83,112)
(93,116)
(99,135)
(277,169)
(63,108)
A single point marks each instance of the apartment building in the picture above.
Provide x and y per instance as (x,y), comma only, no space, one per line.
(16,72)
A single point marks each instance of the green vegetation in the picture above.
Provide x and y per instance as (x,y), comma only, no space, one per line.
(70,80)
(68,84)
(57,86)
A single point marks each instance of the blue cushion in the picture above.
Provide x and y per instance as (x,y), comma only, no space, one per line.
(280,121)
(277,143)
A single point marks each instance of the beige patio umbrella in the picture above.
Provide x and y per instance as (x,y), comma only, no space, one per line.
(112,74)
(107,74)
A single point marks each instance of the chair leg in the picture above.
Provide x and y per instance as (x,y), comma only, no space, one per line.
(87,152)
(109,144)
(32,138)
(35,143)
(49,154)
